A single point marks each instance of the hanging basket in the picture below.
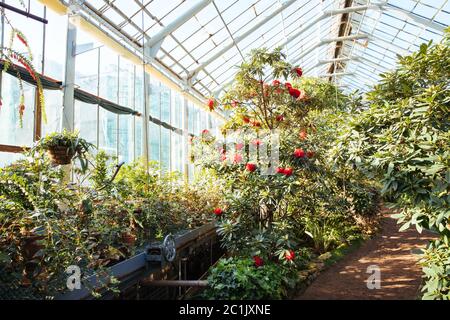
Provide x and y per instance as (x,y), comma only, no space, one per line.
(60,155)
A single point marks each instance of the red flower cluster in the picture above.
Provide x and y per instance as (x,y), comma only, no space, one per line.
(299,71)
(303,135)
(251,167)
(276,83)
(246,119)
(218,211)
(256,123)
(211,104)
(294,92)
(286,171)
(299,153)
(205,131)
(259,262)
(237,158)
(290,255)
(257,142)
(280,118)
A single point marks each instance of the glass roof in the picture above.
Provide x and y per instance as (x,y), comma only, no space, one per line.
(349,42)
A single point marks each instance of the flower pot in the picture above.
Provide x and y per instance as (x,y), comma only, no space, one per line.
(60,155)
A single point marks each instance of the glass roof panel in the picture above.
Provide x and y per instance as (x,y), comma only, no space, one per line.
(209,44)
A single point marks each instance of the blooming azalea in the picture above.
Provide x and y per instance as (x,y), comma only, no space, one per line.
(280,170)
(294,92)
(290,255)
(250,167)
(299,153)
(211,104)
(256,123)
(303,135)
(288,172)
(237,158)
(288,85)
(258,261)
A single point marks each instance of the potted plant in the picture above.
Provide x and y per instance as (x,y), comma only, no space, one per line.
(63,147)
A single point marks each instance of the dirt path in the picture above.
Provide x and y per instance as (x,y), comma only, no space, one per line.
(396,255)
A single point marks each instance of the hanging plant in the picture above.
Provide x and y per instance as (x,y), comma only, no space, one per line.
(13,58)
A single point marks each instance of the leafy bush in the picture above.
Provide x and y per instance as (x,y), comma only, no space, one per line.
(403,139)
(240,279)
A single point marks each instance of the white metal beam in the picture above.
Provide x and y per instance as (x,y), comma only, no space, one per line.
(329,40)
(155,42)
(416,18)
(240,38)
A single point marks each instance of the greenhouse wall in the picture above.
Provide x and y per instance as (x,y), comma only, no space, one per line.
(104,73)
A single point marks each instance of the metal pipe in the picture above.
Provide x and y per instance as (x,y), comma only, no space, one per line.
(175,283)
(23,12)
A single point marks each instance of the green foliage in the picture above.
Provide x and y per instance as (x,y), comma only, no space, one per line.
(240,279)
(46,225)
(74,145)
(403,138)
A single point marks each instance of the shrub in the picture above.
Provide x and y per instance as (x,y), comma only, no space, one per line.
(240,279)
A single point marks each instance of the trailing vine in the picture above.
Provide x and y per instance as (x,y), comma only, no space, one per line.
(12,58)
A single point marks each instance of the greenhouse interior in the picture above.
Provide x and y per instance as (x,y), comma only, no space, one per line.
(230,150)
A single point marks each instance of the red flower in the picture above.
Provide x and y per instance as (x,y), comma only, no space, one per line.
(310,154)
(205,131)
(280,170)
(299,71)
(234,103)
(299,153)
(288,172)
(218,211)
(294,92)
(276,83)
(280,118)
(223,157)
(246,119)
(288,85)
(237,158)
(256,123)
(258,261)
(239,146)
(250,167)
(257,142)
(22,40)
(210,104)
(21,109)
(303,135)
(290,255)
(222,151)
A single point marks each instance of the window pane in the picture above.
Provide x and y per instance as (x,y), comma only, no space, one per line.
(53,109)
(165,149)
(153,139)
(12,132)
(108,132)
(86,121)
